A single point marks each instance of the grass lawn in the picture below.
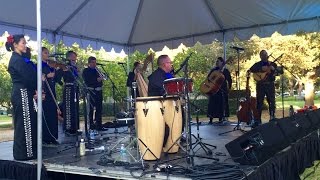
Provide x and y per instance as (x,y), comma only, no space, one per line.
(5,118)
(5,122)
(312,173)
(294,102)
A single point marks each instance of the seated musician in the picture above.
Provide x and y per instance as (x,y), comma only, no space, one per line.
(218,106)
(155,87)
(265,86)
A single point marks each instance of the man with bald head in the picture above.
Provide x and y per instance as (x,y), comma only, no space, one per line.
(155,87)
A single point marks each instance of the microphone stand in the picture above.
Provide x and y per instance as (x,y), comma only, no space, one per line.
(114,88)
(124,68)
(237,127)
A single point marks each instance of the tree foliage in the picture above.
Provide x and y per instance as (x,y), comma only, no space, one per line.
(301,59)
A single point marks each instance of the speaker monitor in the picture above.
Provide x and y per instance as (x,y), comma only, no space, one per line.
(257,145)
(295,127)
(314,117)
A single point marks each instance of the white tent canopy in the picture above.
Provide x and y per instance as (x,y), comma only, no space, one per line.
(144,24)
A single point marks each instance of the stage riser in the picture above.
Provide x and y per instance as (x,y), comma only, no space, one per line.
(261,143)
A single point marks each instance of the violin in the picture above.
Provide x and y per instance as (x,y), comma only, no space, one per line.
(56,64)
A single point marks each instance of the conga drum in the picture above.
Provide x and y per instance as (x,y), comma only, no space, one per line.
(173,118)
(150,126)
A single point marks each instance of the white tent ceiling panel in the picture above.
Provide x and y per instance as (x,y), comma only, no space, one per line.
(166,19)
(106,20)
(55,12)
(153,23)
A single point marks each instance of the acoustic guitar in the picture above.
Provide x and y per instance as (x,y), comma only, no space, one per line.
(260,76)
(213,82)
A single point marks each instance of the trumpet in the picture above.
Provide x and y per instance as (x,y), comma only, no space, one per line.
(101,74)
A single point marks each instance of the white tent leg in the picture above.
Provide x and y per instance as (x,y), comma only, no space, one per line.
(39,89)
(224,46)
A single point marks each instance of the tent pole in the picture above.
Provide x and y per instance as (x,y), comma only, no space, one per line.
(224,45)
(54,43)
(39,89)
(128,70)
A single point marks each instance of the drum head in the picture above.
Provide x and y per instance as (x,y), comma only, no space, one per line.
(151,98)
(126,121)
(176,80)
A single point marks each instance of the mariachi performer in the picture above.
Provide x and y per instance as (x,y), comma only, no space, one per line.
(50,123)
(24,83)
(70,94)
(218,106)
(156,79)
(93,79)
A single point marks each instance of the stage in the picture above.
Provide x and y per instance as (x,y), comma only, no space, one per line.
(64,160)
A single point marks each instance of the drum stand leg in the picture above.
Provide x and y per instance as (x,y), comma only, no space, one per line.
(237,127)
(190,154)
(203,145)
(133,141)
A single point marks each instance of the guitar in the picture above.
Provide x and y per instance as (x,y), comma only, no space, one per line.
(261,76)
(213,82)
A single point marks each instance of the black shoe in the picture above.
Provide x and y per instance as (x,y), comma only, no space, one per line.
(256,124)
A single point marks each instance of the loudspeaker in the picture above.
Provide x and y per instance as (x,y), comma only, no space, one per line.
(295,127)
(314,117)
(257,145)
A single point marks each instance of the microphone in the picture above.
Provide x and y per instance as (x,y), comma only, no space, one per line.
(183,64)
(56,54)
(100,64)
(237,48)
(121,63)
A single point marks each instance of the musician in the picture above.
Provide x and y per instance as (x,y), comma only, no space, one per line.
(155,87)
(218,106)
(50,123)
(70,94)
(266,86)
(132,78)
(24,84)
(94,85)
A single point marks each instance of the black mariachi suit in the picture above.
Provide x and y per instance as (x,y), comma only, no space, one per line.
(155,86)
(265,88)
(50,119)
(90,76)
(70,99)
(24,79)
(218,106)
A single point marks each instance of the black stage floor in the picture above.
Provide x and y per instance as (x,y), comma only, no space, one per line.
(63,158)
